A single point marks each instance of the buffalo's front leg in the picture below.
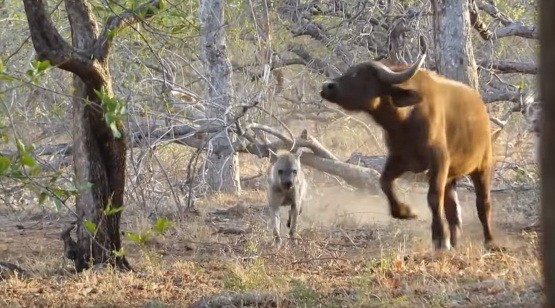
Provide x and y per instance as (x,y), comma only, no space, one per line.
(439,168)
(392,170)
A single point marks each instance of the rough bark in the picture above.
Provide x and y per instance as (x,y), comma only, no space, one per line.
(99,157)
(221,172)
(455,56)
(547,146)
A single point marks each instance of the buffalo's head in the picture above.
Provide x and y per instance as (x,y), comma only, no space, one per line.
(360,86)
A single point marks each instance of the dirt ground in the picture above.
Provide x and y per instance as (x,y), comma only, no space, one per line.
(352,254)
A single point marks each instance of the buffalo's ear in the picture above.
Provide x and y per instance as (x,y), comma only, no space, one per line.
(404,98)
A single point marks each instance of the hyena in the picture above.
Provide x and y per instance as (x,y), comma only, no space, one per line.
(533,116)
(286,187)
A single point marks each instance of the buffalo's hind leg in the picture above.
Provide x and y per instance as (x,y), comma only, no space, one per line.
(482,182)
(453,212)
(392,170)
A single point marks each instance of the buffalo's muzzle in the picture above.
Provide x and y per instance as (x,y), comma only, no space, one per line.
(328,88)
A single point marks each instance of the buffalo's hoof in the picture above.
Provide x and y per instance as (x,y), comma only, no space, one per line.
(493,247)
(403,211)
(441,245)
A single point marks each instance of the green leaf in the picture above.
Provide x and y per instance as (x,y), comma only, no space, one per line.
(177,29)
(119,253)
(115,130)
(55,177)
(38,68)
(20,146)
(42,197)
(59,207)
(42,66)
(161,225)
(6,77)
(35,170)
(28,160)
(61,193)
(5,163)
(5,138)
(90,226)
(138,238)
(111,209)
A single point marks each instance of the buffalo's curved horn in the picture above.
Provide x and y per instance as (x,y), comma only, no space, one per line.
(388,76)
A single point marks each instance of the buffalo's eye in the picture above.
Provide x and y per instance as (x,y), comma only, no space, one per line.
(280,172)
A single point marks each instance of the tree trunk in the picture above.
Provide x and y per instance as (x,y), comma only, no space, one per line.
(452,34)
(547,145)
(221,172)
(99,157)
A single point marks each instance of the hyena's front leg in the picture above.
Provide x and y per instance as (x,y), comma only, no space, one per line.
(274,216)
(293,216)
(273,207)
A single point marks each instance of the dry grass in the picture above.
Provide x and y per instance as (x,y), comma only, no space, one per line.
(353,264)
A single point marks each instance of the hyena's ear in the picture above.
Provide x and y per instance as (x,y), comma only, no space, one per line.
(272,156)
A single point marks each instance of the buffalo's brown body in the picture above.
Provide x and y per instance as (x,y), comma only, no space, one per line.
(431,123)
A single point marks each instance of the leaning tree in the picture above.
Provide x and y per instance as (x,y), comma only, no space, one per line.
(547,60)
(99,139)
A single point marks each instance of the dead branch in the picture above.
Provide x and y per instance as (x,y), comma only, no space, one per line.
(477,22)
(9,269)
(70,246)
(510,27)
(120,21)
(490,8)
(503,96)
(315,64)
(306,142)
(304,25)
(233,299)
(517,29)
(507,67)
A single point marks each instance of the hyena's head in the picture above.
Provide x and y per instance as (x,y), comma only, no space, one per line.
(286,170)
(533,115)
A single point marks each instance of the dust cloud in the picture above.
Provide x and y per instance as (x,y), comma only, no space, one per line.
(341,207)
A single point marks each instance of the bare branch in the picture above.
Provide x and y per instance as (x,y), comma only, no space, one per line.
(276,63)
(119,22)
(494,12)
(491,97)
(304,25)
(518,29)
(498,122)
(315,64)
(477,22)
(510,27)
(507,67)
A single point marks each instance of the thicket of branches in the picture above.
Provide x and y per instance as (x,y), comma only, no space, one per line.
(280,52)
